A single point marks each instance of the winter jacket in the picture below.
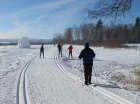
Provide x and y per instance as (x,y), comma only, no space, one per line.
(59,46)
(42,49)
(87,54)
(70,49)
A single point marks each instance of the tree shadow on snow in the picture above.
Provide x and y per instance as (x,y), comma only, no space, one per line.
(106,85)
(97,59)
(66,59)
(48,58)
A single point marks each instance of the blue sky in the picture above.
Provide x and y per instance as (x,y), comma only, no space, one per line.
(43,18)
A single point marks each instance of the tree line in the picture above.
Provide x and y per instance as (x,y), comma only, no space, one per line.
(100,34)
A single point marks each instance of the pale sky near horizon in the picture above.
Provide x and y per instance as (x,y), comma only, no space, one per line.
(41,19)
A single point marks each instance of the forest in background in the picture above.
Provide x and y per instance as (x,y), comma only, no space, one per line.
(100,35)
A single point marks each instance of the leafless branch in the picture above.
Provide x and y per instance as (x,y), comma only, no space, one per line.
(112,8)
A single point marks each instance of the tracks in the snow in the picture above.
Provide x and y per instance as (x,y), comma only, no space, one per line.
(22,96)
(6,54)
(108,94)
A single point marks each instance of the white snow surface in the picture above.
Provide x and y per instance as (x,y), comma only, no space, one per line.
(59,80)
(24,43)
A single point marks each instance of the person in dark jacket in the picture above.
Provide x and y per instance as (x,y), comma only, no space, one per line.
(42,50)
(59,49)
(87,54)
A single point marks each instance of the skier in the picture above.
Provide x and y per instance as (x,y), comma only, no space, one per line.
(70,50)
(59,49)
(42,50)
(87,54)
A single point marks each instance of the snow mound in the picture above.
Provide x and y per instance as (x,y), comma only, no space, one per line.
(24,43)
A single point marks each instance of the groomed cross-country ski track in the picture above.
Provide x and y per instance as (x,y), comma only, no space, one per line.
(46,81)
(102,91)
(22,94)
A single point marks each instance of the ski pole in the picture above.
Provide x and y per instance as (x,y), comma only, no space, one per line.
(95,74)
(80,69)
(81,72)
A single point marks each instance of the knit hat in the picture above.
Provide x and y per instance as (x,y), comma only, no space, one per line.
(86,45)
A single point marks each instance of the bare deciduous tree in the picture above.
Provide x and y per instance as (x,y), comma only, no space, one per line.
(76,33)
(68,35)
(109,8)
(58,37)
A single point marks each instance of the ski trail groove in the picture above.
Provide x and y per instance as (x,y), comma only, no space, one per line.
(102,91)
(22,96)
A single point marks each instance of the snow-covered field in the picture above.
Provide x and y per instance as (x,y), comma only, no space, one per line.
(27,79)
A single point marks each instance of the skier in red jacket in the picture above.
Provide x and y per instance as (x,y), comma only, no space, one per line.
(70,50)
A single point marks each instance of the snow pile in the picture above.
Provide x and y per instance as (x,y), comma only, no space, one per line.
(23,43)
